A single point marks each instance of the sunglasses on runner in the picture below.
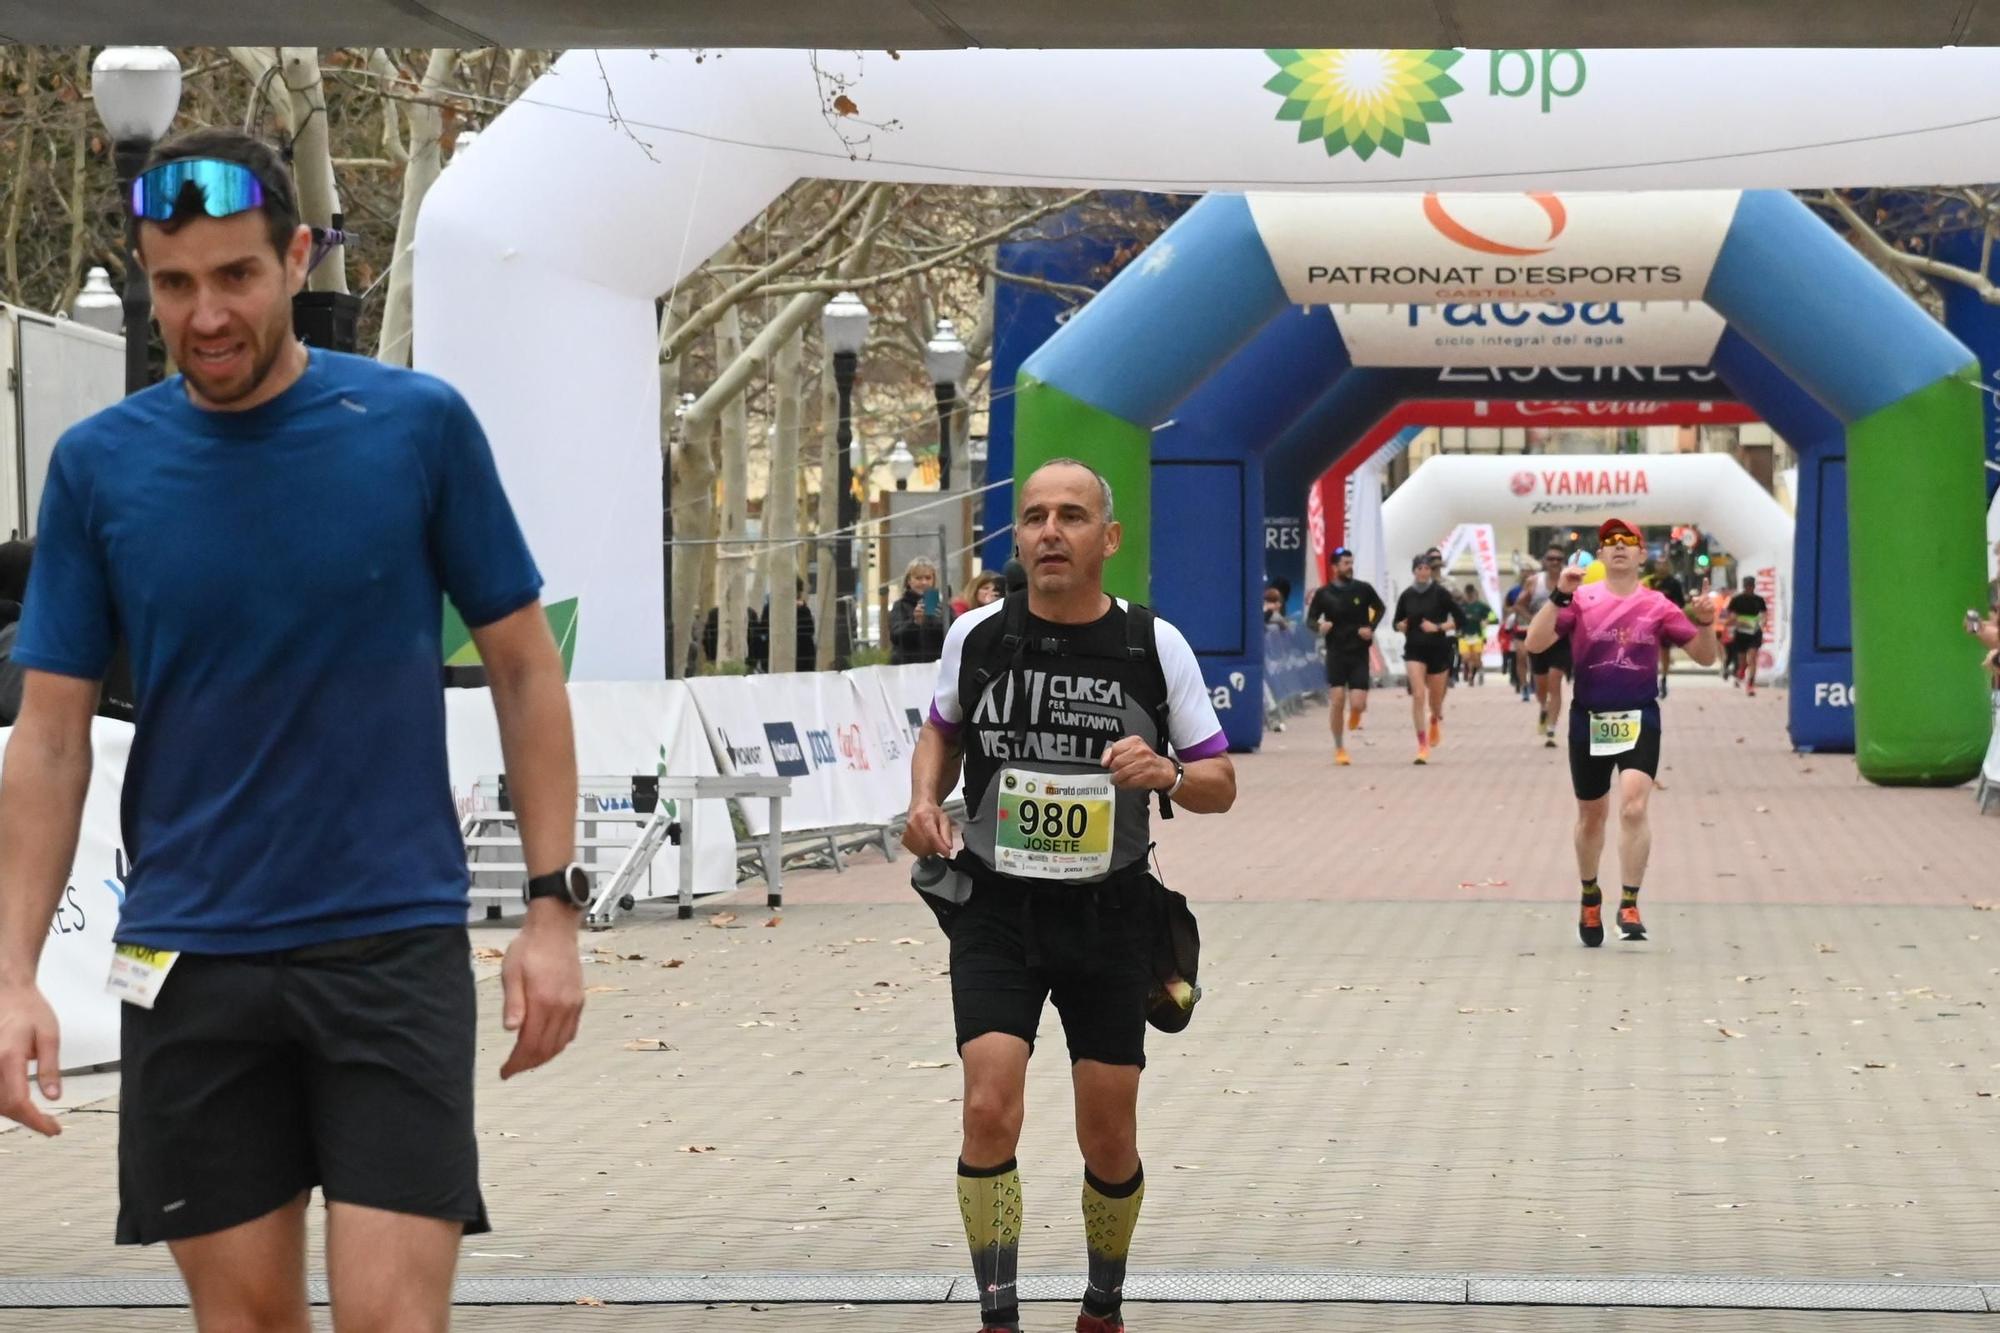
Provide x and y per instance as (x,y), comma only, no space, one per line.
(221,189)
(1619,539)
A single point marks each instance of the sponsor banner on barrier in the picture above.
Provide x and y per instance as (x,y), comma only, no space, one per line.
(1534,246)
(622,728)
(1590,333)
(1292,662)
(76,957)
(847,765)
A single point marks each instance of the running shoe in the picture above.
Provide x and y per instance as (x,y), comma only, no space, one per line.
(1750,690)
(1423,754)
(1629,924)
(1340,759)
(1437,731)
(1590,925)
(1548,740)
(1094,1323)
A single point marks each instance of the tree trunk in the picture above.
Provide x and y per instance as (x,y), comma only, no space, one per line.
(79,206)
(781,509)
(733,634)
(312,159)
(709,528)
(424,162)
(694,520)
(23,158)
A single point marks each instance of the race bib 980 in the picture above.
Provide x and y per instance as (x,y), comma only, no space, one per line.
(1053,825)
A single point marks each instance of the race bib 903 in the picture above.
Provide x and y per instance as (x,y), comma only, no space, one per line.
(1053,825)
(1613,733)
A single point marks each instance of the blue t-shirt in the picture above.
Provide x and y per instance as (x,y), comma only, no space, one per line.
(279,574)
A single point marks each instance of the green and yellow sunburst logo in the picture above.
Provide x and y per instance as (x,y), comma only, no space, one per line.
(1364,99)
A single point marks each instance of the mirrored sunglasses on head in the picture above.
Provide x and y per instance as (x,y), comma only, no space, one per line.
(207,185)
(217,188)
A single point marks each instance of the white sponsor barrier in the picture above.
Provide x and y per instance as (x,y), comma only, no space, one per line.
(622,727)
(844,739)
(77,955)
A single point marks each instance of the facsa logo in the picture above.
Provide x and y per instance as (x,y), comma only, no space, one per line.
(1458,233)
(1522,483)
(1833,694)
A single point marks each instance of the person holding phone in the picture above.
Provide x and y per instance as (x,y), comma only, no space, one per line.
(918,619)
(1615,629)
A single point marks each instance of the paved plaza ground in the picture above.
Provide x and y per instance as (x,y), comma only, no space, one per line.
(1405,1062)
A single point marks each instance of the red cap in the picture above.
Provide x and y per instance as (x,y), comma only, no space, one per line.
(1611,525)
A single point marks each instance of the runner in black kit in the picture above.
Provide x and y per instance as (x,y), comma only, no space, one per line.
(1346,611)
(1746,612)
(1422,613)
(1663,582)
(1071,713)
(1549,668)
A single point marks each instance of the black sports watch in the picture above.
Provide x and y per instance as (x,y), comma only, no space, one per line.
(571,884)
(1561,598)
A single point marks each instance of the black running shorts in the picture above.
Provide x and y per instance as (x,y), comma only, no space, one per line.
(258,1076)
(1435,658)
(1590,775)
(1557,658)
(1014,946)
(1347,671)
(1748,645)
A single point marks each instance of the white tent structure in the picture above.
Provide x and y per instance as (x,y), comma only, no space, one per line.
(540,253)
(1711,491)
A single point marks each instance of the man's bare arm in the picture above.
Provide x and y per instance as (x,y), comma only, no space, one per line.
(41,810)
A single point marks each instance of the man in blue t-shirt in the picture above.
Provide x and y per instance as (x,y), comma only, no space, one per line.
(273,532)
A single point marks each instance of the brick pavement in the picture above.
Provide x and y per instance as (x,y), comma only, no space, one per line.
(1391,1073)
(1050,1319)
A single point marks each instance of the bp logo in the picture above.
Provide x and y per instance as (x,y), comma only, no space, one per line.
(1364,99)
(1522,483)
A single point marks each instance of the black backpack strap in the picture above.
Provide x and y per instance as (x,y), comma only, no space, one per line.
(975,675)
(1142,645)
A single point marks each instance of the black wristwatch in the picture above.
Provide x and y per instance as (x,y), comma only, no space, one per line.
(1561,598)
(571,884)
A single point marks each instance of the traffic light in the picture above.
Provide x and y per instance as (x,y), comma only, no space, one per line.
(1701,561)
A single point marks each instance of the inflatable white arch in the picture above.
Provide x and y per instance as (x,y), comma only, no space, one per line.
(1711,491)
(540,252)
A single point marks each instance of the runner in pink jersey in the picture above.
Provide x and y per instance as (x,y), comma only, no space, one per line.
(1615,630)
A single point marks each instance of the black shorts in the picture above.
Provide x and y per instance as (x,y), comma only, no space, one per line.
(258,1076)
(1433,657)
(1014,946)
(1590,776)
(1347,671)
(1557,658)
(1747,645)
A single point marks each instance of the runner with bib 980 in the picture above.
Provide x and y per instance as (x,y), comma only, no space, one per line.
(1061,703)
(1615,630)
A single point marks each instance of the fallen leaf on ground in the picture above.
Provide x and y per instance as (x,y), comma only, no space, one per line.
(673,962)
(908,940)
(648,1044)
(589,1300)
(484,954)
(1825,948)
(930,1064)
(722,918)
(773,921)
(1727,1033)
(602,990)
(697,1147)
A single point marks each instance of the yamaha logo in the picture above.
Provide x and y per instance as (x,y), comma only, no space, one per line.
(1522,483)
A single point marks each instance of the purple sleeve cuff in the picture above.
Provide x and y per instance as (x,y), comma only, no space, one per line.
(1208,749)
(948,728)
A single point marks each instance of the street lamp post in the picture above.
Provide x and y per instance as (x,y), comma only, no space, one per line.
(945,358)
(901,464)
(98,306)
(844,323)
(137,90)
